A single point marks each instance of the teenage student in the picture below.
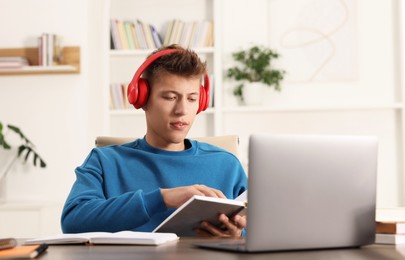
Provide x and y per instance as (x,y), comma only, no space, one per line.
(137,185)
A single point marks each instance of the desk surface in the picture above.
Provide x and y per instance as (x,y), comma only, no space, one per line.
(184,249)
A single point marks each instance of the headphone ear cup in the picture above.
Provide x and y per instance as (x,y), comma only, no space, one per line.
(204,100)
(132,93)
(143,89)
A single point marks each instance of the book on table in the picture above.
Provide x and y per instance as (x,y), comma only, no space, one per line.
(7,242)
(23,251)
(188,216)
(390,239)
(390,227)
(122,237)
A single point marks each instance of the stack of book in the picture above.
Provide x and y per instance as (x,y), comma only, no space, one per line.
(13,62)
(390,226)
(49,49)
(390,233)
(130,35)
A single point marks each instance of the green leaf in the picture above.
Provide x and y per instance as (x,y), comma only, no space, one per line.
(3,142)
(20,133)
(21,148)
(31,150)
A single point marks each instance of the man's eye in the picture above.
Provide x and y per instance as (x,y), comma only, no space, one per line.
(192,99)
(169,97)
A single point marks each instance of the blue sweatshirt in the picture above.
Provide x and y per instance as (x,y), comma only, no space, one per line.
(118,187)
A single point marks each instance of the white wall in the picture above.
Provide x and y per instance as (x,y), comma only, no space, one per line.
(375,84)
(62,113)
(53,111)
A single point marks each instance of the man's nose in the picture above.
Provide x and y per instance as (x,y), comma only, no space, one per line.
(181,106)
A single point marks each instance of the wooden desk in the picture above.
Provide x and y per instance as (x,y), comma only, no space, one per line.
(184,249)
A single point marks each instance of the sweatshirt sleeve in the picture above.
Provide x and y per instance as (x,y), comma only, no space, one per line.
(88,210)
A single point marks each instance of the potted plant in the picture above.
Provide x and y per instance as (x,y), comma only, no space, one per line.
(255,66)
(25,148)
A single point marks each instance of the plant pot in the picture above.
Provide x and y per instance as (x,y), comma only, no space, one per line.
(252,93)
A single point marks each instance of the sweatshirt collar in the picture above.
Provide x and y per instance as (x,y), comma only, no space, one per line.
(188,151)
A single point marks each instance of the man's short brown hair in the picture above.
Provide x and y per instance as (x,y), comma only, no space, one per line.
(183,63)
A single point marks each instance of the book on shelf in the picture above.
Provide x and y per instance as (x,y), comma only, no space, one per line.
(140,36)
(156,37)
(172,31)
(23,251)
(390,227)
(115,37)
(193,34)
(148,35)
(122,34)
(169,29)
(390,239)
(188,216)
(186,34)
(199,40)
(178,28)
(133,33)
(209,41)
(119,238)
(13,62)
(130,36)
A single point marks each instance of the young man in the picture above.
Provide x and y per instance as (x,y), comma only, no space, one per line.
(135,186)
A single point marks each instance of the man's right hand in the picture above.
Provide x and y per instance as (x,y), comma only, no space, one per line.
(175,197)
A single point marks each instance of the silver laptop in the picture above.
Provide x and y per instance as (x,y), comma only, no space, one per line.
(308,192)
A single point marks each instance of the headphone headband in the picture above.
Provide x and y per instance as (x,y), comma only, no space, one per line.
(148,62)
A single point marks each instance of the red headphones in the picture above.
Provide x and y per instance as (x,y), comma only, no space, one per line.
(138,88)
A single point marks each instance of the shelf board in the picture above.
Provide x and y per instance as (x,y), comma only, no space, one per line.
(70,64)
(32,70)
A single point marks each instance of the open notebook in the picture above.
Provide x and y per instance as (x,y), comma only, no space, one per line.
(123,237)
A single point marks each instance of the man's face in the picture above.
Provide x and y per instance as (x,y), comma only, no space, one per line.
(170,111)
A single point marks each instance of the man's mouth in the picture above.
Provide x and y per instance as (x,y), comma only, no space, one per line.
(179,125)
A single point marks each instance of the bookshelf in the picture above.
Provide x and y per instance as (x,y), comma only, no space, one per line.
(69,65)
(121,64)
